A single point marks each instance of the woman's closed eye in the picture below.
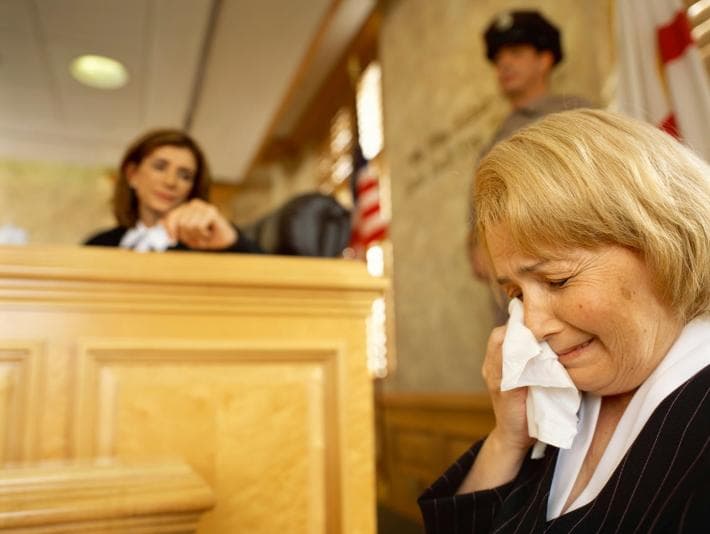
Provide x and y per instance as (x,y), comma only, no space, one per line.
(558,282)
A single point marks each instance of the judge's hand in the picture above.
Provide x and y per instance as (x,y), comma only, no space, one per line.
(200,225)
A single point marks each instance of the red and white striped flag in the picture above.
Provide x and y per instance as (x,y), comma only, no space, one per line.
(661,75)
(368,223)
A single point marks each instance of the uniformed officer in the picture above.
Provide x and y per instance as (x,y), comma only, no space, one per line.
(525,48)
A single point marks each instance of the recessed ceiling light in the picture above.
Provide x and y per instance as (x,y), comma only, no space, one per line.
(99,71)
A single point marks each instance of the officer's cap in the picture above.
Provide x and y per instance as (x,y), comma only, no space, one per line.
(522,27)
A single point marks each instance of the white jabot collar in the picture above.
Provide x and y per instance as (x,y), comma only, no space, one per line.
(689,354)
(142,238)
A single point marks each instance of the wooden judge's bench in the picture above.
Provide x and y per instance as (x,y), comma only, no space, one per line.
(172,392)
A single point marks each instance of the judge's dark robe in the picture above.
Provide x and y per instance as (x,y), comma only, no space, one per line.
(661,485)
(112,238)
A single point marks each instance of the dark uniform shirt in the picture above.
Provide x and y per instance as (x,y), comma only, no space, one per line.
(519,118)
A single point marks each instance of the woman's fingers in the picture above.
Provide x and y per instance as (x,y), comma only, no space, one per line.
(199,224)
(493,361)
(509,406)
(195,222)
(189,221)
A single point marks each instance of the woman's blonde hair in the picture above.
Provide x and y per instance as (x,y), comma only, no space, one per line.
(585,178)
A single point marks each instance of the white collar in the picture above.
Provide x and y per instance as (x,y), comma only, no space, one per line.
(142,238)
(689,354)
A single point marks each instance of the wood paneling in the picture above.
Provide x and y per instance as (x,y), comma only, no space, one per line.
(88,497)
(20,371)
(251,369)
(202,400)
(419,436)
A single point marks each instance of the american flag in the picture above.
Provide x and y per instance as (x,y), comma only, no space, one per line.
(661,75)
(368,223)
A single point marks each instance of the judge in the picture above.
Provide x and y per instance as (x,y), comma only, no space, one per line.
(160,200)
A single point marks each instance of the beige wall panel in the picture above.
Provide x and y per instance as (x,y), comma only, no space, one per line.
(58,203)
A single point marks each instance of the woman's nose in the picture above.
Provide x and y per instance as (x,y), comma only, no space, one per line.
(540,318)
(170,178)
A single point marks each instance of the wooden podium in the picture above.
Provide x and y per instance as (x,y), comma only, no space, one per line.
(249,370)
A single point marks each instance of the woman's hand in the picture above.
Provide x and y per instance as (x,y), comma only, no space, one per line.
(504,450)
(509,407)
(200,225)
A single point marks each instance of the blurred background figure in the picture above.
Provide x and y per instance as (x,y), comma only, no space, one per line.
(525,48)
(160,200)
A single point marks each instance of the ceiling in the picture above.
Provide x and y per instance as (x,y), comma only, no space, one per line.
(233,72)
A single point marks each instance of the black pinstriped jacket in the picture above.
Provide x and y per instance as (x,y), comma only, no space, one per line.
(662,484)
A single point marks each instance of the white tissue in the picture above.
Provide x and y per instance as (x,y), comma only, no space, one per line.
(142,238)
(553,399)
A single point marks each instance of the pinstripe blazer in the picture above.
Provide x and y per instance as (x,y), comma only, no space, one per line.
(661,485)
